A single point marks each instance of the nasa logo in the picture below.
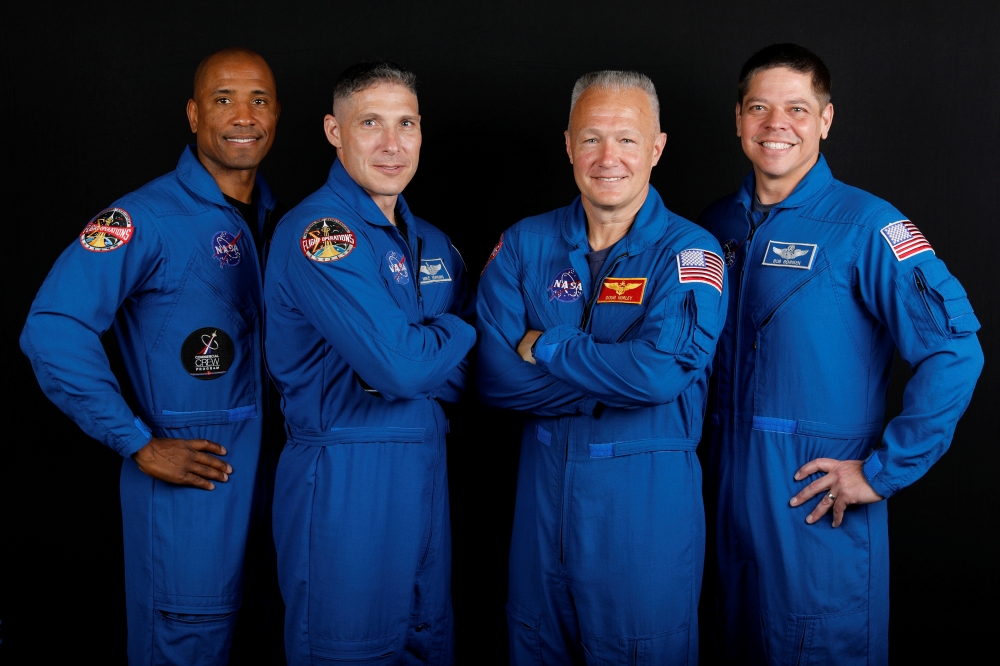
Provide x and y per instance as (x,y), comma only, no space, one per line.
(327,239)
(789,255)
(109,230)
(729,249)
(566,286)
(226,249)
(207,353)
(397,266)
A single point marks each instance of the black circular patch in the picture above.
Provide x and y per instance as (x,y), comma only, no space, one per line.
(207,353)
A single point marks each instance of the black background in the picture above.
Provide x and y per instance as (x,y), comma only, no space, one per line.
(94,107)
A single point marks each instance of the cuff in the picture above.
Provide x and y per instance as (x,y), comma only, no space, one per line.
(127,448)
(548,343)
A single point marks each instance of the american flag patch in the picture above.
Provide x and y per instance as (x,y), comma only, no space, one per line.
(700,266)
(905,239)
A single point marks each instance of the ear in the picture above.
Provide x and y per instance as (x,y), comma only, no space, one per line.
(661,142)
(739,117)
(192,114)
(827,117)
(332,129)
(569,147)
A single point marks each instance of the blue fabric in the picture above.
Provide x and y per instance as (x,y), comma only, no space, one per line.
(872,466)
(606,554)
(157,288)
(363,353)
(813,345)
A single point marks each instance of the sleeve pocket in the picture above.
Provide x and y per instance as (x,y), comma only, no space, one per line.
(689,328)
(937,303)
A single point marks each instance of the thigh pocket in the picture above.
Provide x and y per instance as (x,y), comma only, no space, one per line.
(671,647)
(371,518)
(374,652)
(832,638)
(182,638)
(525,642)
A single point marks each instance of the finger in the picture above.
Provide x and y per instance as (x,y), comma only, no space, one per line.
(212,461)
(838,511)
(820,485)
(821,508)
(205,445)
(813,466)
(207,472)
(196,481)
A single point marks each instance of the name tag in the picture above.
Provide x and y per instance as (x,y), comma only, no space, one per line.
(789,255)
(622,290)
(433,270)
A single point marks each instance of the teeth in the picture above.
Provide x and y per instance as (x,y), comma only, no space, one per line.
(774,145)
(241,140)
(611,180)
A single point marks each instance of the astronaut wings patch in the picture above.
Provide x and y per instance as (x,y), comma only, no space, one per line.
(905,239)
(694,265)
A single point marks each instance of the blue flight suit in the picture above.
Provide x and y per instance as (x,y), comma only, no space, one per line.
(364,338)
(174,267)
(608,543)
(826,286)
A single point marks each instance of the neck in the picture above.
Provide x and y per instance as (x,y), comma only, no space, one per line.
(605,227)
(387,204)
(772,190)
(236,183)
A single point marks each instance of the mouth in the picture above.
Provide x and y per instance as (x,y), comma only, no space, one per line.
(776,145)
(242,140)
(389,168)
(609,179)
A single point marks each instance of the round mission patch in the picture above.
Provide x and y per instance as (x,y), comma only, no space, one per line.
(207,353)
(327,239)
(109,230)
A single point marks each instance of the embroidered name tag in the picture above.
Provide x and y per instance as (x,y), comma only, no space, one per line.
(433,270)
(622,290)
(789,255)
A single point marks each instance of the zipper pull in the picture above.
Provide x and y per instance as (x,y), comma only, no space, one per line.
(920,285)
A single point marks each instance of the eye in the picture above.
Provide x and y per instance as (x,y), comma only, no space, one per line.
(223,100)
(259,102)
(407,123)
(798,109)
(368,123)
(627,141)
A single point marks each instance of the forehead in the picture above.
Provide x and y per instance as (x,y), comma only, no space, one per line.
(387,99)
(236,71)
(780,84)
(610,110)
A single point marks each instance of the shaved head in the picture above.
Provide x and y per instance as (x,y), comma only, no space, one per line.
(234,53)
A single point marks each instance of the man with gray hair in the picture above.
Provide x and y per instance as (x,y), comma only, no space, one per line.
(365,337)
(598,321)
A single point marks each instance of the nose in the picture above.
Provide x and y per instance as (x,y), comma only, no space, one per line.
(777,118)
(609,156)
(390,140)
(243,114)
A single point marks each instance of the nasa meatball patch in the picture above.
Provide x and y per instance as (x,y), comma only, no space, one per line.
(226,248)
(327,239)
(397,267)
(565,287)
(207,353)
(110,230)
(789,255)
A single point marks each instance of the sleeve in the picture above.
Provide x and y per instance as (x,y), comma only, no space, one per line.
(504,378)
(926,310)
(114,257)
(462,306)
(674,344)
(348,301)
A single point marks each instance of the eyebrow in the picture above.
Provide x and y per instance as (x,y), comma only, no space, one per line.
(230,91)
(799,102)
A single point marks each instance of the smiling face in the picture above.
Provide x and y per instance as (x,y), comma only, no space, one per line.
(780,123)
(234,111)
(613,143)
(377,135)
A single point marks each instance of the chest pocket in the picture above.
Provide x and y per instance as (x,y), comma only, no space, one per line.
(436,281)
(205,362)
(783,286)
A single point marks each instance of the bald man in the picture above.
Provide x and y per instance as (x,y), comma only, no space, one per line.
(176,267)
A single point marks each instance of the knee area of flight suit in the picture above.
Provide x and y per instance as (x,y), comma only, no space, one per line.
(671,647)
(192,639)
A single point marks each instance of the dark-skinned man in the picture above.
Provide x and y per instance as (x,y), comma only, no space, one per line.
(174,267)
(827,281)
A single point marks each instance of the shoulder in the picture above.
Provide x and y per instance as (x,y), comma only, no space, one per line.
(721,209)
(843,203)
(682,234)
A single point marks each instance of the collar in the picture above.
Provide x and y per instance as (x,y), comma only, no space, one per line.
(812,184)
(361,202)
(196,178)
(650,224)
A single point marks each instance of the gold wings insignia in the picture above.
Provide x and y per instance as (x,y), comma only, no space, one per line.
(621,287)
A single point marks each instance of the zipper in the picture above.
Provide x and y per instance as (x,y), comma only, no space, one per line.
(777,307)
(593,299)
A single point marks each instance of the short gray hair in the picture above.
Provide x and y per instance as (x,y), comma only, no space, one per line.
(616,80)
(370,73)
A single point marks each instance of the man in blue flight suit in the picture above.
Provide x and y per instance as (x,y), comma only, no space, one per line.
(828,280)
(174,266)
(365,338)
(599,322)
